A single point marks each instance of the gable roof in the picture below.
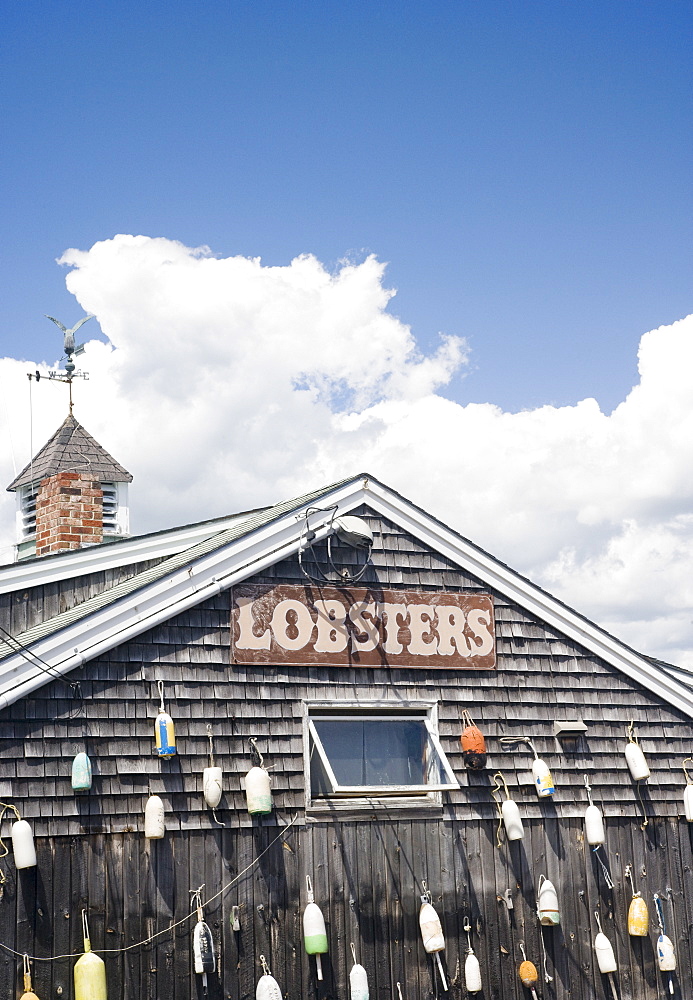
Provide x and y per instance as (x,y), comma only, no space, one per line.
(58,645)
(72,449)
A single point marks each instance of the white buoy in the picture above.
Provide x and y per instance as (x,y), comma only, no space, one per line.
(512,820)
(688,803)
(472,969)
(606,959)
(212,777)
(432,932)
(314,931)
(594,826)
(507,810)
(688,793)
(23,844)
(594,821)
(154,818)
(258,794)
(267,987)
(358,979)
(543,782)
(547,903)
(635,758)
(211,786)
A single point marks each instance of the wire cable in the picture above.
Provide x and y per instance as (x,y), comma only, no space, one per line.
(166,930)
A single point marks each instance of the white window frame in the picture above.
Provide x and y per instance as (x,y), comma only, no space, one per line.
(369,711)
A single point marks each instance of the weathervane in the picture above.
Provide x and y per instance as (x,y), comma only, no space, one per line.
(70,350)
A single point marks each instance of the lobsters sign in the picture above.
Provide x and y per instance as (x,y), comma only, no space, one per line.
(344,626)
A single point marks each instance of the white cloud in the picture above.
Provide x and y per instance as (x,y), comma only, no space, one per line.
(227,384)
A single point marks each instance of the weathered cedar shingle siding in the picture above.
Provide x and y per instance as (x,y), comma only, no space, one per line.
(366,873)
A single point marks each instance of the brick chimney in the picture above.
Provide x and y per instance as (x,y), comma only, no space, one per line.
(72,493)
(69,512)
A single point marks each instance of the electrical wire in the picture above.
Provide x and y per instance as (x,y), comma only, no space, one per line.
(166,930)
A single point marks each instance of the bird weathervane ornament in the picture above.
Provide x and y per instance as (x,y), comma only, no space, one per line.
(70,350)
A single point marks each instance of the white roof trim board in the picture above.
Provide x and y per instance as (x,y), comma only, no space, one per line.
(42,570)
(261,546)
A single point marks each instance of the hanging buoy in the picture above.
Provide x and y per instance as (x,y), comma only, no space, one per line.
(606,959)
(688,792)
(358,980)
(89,971)
(211,786)
(23,844)
(211,778)
(267,987)
(635,758)
(28,993)
(547,903)
(543,782)
(164,732)
(22,840)
(528,973)
(203,944)
(258,794)
(594,821)
(81,773)
(508,811)
(473,744)
(512,820)
(638,916)
(154,818)
(314,932)
(432,931)
(472,969)
(666,956)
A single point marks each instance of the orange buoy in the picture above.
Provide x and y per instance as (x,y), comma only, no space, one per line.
(528,973)
(473,744)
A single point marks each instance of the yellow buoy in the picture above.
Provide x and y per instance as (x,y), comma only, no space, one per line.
(164,731)
(89,971)
(638,917)
(28,993)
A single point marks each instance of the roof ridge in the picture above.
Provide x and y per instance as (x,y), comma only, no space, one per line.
(154,573)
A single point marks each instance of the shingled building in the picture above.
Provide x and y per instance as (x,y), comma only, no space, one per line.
(257,626)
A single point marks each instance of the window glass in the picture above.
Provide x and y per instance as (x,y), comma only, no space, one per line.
(383,752)
(362,752)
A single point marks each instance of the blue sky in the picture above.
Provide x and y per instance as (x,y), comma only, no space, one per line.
(524,168)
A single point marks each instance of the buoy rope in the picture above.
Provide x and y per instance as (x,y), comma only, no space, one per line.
(495,792)
(630,733)
(605,870)
(166,930)
(689,780)
(645,820)
(467,719)
(507,742)
(3,845)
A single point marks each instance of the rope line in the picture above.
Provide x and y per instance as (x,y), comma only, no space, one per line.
(166,930)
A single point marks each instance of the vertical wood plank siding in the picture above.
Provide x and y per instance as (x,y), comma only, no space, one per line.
(367,866)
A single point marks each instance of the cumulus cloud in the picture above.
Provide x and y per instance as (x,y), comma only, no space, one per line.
(226,384)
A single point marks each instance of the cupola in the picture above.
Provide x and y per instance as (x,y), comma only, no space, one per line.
(70,495)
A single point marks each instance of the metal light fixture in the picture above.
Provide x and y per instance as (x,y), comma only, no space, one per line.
(349,529)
